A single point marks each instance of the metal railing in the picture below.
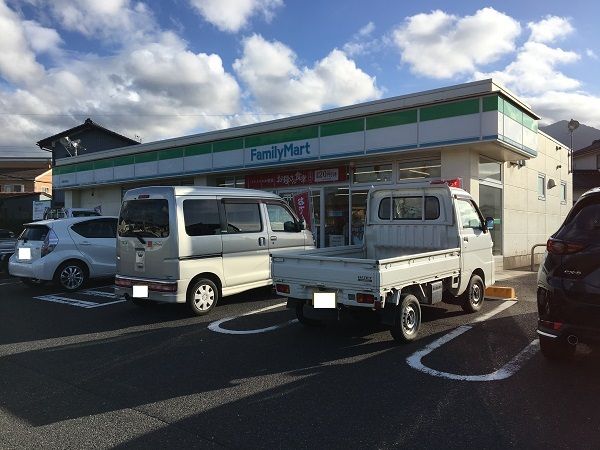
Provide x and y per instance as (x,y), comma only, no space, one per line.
(533,254)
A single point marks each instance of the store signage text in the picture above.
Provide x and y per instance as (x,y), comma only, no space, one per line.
(296,178)
(277,153)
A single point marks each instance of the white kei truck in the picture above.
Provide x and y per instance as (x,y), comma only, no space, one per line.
(422,243)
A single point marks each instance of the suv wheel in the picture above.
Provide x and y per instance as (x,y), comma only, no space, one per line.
(556,349)
(71,276)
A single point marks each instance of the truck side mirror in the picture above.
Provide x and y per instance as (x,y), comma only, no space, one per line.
(301,224)
(489,223)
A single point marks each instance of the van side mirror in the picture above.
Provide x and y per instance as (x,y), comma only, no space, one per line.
(301,224)
(489,223)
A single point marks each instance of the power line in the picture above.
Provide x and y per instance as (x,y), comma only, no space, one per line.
(142,114)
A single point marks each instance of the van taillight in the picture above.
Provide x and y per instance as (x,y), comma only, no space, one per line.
(558,247)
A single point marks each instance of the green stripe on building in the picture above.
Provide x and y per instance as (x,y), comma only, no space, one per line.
(446,110)
(230,144)
(103,164)
(392,119)
(530,122)
(146,157)
(492,103)
(124,160)
(342,127)
(199,149)
(295,134)
(82,167)
(170,153)
(513,112)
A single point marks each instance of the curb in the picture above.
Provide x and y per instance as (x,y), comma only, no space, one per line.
(500,293)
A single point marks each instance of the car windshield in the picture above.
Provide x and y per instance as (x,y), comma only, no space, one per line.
(144,218)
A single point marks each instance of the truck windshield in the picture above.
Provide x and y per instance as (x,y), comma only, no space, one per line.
(144,218)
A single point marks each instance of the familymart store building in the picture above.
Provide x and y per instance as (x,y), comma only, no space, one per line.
(478,132)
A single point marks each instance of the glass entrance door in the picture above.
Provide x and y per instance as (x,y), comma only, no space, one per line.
(315,208)
(490,203)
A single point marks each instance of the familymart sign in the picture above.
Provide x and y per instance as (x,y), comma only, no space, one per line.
(284,152)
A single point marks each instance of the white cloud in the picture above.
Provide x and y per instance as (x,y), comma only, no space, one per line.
(591,53)
(550,29)
(40,38)
(440,45)
(233,15)
(362,42)
(553,106)
(17,61)
(278,85)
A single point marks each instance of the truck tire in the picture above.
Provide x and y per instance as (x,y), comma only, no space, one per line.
(472,298)
(202,297)
(556,349)
(408,319)
(303,319)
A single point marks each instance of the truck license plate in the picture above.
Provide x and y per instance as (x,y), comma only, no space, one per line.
(324,300)
(140,291)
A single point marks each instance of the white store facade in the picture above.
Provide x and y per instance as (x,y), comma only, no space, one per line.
(478,132)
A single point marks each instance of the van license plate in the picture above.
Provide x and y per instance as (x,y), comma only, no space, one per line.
(140,291)
(324,300)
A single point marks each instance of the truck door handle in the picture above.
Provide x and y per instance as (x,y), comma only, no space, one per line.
(273,238)
(262,241)
(466,238)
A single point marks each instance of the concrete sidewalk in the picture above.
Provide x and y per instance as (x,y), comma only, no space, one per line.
(506,274)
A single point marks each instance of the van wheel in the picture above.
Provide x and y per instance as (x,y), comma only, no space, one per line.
(303,319)
(408,320)
(556,349)
(71,276)
(202,297)
(472,298)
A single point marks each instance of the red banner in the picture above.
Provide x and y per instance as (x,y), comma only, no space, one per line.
(296,178)
(302,207)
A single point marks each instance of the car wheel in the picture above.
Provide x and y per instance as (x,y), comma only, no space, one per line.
(33,282)
(202,297)
(408,320)
(472,298)
(556,349)
(71,276)
(303,319)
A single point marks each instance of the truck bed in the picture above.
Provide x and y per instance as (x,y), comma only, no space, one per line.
(348,267)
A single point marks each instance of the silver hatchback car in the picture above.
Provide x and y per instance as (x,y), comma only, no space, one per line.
(68,251)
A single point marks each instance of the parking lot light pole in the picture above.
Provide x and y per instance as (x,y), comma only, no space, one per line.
(572,125)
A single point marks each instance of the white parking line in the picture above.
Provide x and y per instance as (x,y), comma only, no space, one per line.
(57,298)
(99,293)
(216,326)
(506,371)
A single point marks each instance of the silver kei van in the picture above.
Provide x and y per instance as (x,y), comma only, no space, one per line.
(195,245)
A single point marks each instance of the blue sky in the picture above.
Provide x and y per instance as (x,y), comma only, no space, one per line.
(160,69)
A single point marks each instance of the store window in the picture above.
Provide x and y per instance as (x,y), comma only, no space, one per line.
(231,182)
(372,174)
(489,169)
(541,186)
(336,216)
(358,216)
(414,170)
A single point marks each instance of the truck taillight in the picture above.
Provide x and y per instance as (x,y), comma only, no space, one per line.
(558,247)
(365,298)
(454,182)
(49,244)
(283,288)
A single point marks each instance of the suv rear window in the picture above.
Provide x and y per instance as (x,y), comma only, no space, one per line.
(144,218)
(34,233)
(583,222)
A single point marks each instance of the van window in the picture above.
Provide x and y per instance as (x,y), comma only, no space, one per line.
(281,219)
(201,217)
(243,217)
(409,208)
(144,218)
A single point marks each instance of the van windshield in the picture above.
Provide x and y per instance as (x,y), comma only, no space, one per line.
(144,218)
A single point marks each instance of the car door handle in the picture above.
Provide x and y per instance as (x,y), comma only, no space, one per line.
(273,238)
(86,243)
(466,238)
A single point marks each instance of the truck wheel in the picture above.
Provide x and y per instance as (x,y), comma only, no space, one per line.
(556,349)
(303,319)
(472,298)
(408,320)
(202,297)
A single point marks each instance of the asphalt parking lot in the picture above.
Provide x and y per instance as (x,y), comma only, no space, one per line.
(88,370)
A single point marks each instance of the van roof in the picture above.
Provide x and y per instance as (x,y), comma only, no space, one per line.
(202,190)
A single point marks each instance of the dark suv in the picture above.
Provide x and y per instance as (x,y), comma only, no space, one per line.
(568,295)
